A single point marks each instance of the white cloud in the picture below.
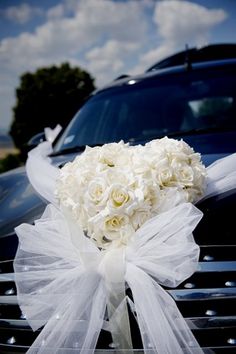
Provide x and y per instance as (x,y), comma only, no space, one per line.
(56,12)
(109,58)
(21,14)
(183,21)
(93,23)
(103,36)
(178,23)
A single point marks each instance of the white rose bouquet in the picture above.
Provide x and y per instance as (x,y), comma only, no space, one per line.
(114,189)
(119,216)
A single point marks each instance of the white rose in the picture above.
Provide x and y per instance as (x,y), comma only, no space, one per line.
(176,159)
(185,148)
(123,176)
(185,175)
(195,160)
(96,192)
(139,217)
(152,196)
(114,154)
(113,225)
(119,196)
(140,160)
(166,177)
(163,144)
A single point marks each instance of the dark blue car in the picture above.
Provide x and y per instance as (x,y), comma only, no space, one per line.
(196,102)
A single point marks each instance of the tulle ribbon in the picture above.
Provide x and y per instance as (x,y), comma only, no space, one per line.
(51,134)
(73,289)
(65,283)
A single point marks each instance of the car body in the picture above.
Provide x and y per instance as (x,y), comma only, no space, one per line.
(196,103)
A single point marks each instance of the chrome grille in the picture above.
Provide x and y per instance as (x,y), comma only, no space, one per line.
(206,300)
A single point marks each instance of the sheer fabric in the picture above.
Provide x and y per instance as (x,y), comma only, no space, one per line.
(65,283)
(221,176)
(42,175)
(64,287)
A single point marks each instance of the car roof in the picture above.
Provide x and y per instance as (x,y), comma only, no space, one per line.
(168,71)
(198,54)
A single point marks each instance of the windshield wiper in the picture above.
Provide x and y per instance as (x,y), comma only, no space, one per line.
(197,131)
(179,133)
(71,150)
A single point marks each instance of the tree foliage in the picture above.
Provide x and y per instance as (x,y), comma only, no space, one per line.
(9,162)
(47,97)
(214,106)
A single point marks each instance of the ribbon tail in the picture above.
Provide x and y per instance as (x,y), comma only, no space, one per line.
(119,323)
(162,327)
(77,323)
(113,270)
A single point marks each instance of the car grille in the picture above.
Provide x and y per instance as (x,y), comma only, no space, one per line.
(207,300)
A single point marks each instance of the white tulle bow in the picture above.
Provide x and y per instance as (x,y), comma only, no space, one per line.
(64,283)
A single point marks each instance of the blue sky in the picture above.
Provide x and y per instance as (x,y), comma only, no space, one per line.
(106,37)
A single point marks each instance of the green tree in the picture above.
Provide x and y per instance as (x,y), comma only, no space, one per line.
(49,96)
(214,106)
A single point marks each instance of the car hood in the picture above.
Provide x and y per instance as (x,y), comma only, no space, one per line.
(19,202)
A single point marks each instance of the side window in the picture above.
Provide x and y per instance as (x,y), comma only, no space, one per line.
(212,112)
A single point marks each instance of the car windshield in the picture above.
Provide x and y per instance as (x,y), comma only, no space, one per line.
(156,107)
